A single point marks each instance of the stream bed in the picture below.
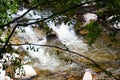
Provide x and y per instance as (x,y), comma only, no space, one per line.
(52,63)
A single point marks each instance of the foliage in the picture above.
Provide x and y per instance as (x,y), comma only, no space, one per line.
(104,8)
(110,8)
(4,37)
(32,48)
(21,71)
(94,31)
(11,63)
(7,7)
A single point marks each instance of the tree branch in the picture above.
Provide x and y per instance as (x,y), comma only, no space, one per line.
(18,17)
(64,11)
(67,50)
(3,49)
(6,43)
(58,13)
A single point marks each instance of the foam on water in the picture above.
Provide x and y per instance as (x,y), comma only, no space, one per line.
(29,35)
(68,37)
(46,61)
(65,34)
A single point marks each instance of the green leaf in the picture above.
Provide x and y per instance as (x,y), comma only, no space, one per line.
(94,32)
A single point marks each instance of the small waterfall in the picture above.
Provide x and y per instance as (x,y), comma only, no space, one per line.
(65,34)
(68,37)
(39,54)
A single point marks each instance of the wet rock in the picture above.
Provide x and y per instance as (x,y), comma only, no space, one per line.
(83,32)
(117,25)
(87,75)
(25,72)
(51,36)
(74,76)
(41,32)
(88,17)
(7,78)
(71,78)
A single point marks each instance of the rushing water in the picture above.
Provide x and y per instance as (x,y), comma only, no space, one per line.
(68,37)
(47,59)
(65,34)
(40,54)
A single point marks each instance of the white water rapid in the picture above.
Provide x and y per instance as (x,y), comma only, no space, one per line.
(65,34)
(68,37)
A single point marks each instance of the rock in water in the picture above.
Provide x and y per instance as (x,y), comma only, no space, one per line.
(117,25)
(2,72)
(25,72)
(88,17)
(7,78)
(87,75)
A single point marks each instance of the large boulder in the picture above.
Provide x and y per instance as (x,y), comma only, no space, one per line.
(25,72)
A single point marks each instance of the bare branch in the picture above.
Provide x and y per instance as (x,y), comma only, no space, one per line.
(67,50)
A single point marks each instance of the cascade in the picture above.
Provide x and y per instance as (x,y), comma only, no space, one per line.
(68,37)
(65,34)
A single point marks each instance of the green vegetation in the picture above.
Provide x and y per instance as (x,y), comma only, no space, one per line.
(7,7)
(94,32)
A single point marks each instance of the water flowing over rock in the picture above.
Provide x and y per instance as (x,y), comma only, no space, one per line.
(37,52)
(65,34)
(45,58)
(68,37)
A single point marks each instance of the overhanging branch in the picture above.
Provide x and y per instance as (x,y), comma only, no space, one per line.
(18,17)
(67,50)
(64,11)
(6,43)
(58,13)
